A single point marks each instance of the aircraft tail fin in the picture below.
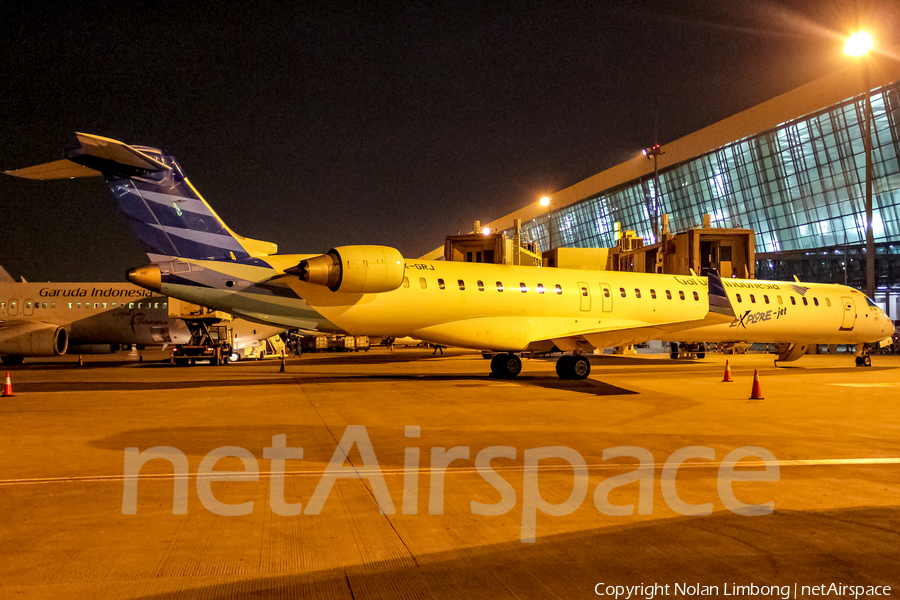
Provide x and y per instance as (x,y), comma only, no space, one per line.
(168,215)
(5,277)
(718,298)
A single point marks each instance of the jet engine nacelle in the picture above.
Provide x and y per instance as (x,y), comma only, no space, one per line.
(354,269)
(34,339)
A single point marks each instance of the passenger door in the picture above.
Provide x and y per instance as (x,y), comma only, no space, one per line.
(849,314)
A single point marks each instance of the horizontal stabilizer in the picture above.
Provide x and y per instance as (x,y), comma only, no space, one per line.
(106,153)
(95,156)
(60,169)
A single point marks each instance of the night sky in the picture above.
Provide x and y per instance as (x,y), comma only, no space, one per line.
(314,125)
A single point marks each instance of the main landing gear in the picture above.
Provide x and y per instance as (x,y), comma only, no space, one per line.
(508,366)
(573,367)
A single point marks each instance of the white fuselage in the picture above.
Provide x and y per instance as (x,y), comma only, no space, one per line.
(501,307)
(105,313)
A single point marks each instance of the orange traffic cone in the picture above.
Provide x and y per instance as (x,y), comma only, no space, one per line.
(756,392)
(80,362)
(7,389)
(727,373)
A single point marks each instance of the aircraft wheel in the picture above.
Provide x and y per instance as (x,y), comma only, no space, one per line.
(673,350)
(867,361)
(565,366)
(581,367)
(506,366)
(234,357)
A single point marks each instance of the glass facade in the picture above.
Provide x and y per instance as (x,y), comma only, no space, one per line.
(799,186)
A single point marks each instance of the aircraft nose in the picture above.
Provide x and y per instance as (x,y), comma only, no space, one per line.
(148,277)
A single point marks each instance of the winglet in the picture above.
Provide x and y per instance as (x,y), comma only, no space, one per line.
(718,298)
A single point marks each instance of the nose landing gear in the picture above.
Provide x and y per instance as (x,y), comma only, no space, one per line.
(863,359)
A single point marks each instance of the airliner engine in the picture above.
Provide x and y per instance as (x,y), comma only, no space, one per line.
(354,269)
(34,339)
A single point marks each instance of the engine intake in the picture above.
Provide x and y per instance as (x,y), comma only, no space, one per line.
(354,269)
(34,339)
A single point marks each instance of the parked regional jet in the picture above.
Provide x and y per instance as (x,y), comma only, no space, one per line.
(373,290)
(51,319)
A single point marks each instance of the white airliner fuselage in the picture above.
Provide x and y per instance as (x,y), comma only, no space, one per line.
(47,319)
(373,290)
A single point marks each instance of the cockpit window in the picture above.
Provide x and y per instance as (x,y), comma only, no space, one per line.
(871,302)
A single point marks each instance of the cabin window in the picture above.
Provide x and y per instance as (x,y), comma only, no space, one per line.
(114,304)
(780,301)
(668,295)
(499,286)
(793,301)
(70,305)
(104,306)
(540,288)
(523,288)
(637,293)
(558,289)
(827,301)
(53,305)
(696,297)
(441,284)
(45,305)
(622,291)
(752,299)
(805,303)
(738,296)
(816,301)
(584,291)
(406,282)
(766,298)
(653,294)
(606,292)
(140,305)
(480,285)
(78,305)
(422,283)
(27,304)
(131,304)
(165,304)
(681,294)
(462,284)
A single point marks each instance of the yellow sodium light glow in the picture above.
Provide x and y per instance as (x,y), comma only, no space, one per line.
(858,44)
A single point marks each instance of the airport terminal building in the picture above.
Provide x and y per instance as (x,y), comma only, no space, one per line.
(792,169)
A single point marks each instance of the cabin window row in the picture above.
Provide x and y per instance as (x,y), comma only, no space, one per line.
(637,294)
(28,305)
(779,300)
(540,289)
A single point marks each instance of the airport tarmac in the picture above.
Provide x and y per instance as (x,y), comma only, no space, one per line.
(385,529)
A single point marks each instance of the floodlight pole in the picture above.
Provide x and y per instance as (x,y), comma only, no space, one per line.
(870,233)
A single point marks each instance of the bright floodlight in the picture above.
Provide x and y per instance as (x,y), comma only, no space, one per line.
(858,44)
(486,231)
(545,201)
